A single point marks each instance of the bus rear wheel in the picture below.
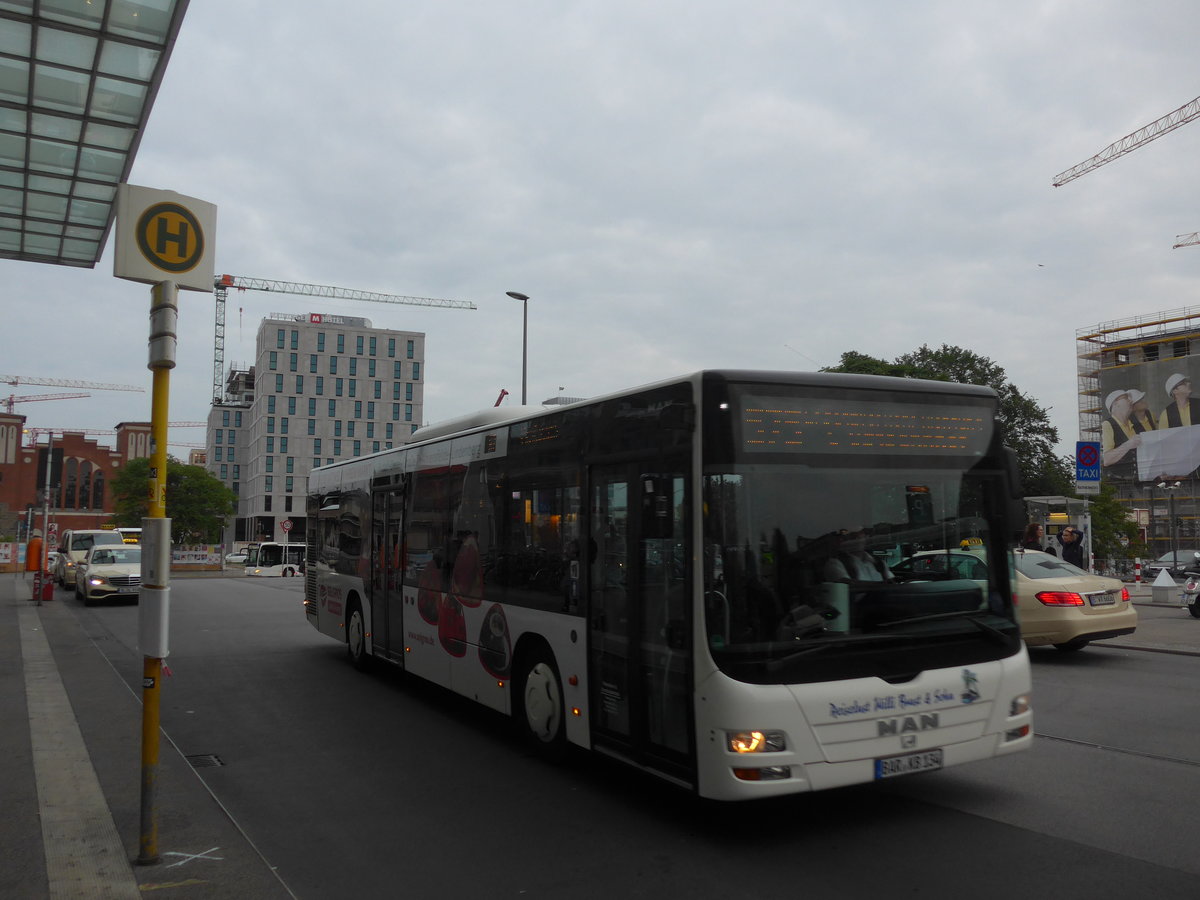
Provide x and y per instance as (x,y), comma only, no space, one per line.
(356,638)
(538,707)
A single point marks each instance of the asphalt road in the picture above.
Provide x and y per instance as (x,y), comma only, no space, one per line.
(377,785)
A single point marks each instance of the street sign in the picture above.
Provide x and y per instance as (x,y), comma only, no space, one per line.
(286,525)
(164,236)
(1087,467)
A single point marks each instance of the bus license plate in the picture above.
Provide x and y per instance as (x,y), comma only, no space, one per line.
(891,766)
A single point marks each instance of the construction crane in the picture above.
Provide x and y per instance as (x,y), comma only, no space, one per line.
(65,382)
(12,400)
(1186,240)
(222,284)
(35,433)
(1131,142)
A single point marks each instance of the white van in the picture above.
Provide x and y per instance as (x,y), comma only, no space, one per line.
(72,546)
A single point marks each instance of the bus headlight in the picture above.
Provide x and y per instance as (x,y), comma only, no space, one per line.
(756,741)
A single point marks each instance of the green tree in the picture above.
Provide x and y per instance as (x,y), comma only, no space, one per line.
(1110,524)
(1026,424)
(197,503)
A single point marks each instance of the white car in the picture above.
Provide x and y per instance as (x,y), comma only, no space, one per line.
(109,571)
(236,559)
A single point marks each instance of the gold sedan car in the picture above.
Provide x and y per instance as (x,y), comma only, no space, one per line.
(1058,604)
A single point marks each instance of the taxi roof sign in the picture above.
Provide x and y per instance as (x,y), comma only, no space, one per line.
(164,236)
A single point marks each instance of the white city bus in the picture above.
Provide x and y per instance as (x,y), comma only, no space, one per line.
(274,559)
(694,576)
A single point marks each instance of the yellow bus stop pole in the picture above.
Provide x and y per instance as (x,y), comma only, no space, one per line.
(156,560)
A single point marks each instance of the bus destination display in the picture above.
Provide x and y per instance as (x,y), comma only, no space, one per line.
(827,425)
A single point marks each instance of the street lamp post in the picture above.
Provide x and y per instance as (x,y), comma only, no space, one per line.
(517,295)
(1169,490)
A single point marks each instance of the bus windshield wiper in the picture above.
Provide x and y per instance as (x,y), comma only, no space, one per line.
(971,615)
(774,665)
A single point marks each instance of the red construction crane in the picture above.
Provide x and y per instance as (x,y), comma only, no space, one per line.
(222,284)
(66,382)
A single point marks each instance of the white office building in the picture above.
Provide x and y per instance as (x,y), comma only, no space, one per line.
(322,388)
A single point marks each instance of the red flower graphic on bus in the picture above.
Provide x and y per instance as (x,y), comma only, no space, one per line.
(495,647)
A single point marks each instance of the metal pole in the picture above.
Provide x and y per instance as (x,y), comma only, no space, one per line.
(46,516)
(156,559)
(524,298)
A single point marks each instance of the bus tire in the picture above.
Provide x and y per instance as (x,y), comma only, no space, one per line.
(356,637)
(538,709)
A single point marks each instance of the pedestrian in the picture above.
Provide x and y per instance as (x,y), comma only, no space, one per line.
(1032,539)
(1072,546)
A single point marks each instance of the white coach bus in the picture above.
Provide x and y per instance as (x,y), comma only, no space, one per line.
(696,576)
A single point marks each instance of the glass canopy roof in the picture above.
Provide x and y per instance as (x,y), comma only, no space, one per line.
(77,81)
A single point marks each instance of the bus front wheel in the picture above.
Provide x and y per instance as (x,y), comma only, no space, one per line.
(356,637)
(538,707)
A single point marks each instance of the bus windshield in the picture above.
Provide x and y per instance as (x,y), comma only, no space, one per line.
(805,552)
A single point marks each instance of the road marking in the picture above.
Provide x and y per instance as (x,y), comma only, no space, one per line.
(84,856)
(188,857)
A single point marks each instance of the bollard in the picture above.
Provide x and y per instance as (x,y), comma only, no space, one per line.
(1137,571)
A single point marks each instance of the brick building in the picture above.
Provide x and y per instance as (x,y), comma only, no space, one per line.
(81,475)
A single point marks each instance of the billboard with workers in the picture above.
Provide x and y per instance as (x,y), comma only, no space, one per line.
(1150,420)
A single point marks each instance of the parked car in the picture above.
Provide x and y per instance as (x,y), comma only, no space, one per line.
(1057,603)
(1177,564)
(236,559)
(73,545)
(109,571)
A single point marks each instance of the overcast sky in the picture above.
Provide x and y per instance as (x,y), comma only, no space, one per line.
(675,185)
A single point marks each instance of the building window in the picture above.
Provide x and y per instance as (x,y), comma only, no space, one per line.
(295,339)
(337,386)
(341,343)
(416,371)
(290,466)
(293,362)
(283,423)
(312,426)
(317,447)
(358,448)
(370,429)
(229,436)
(353,387)
(291,406)
(270,463)
(217,454)
(237,419)
(316,462)
(371,366)
(395,412)
(358,345)
(287,503)
(312,406)
(220,434)
(320,342)
(391,346)
(333,365)
(299,384)
(387,431)
(1150,352)
(337,448)
(280,337)
(408,393)
(358,409)
(312,363)
(395,390)
(350,429)
(407,412)
(270,424)
(378,389)
(283,445)
(229,454)
(332,409)
(270,445)
(372,346)
(337,428)
(375,447)
(272,360)
(225,418)
(353,367)
(398,371)
(370,410)
(279,384)
(287,483)
(270,486)
(237,472)
(411,349)
(267,500)
(224,472)
(320,385)
(270,403)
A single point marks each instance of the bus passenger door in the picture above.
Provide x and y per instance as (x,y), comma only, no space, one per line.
(639,616)
(387,632)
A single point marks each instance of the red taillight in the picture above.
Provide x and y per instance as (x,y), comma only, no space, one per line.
(1060,598)
(1125,594)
